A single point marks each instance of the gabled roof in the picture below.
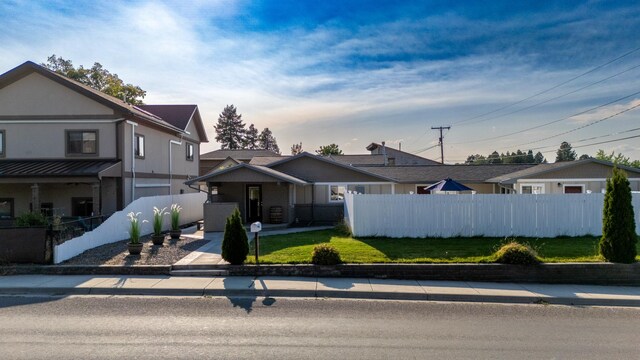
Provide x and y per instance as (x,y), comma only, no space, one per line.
(114,103)
(260,169)
(330,161)
(545,168)
(179,116)
(265,160)
(54,168)
(360,159)
(239,154)
(391,152)
(428,174)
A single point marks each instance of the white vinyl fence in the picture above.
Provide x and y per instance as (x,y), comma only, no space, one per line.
(477,215)
(116,227)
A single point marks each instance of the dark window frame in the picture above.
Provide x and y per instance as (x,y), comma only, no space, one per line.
(137,146)
(193,152)
(81,154)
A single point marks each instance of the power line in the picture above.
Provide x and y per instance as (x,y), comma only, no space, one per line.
(552,147)
(584,126)
(553,98)
(549,89)
(553,121)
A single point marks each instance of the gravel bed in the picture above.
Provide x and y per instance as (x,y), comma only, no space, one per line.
(118,254)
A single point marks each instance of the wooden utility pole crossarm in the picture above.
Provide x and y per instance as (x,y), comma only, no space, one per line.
(440,140)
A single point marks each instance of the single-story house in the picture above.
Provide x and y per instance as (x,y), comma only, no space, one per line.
(310,188)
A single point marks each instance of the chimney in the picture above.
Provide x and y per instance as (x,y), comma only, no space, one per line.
(400,146)
(384,154)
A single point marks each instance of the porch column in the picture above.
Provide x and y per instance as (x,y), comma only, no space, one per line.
(35,198)
(95,190)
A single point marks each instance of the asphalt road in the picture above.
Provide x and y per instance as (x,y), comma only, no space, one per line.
(220,328)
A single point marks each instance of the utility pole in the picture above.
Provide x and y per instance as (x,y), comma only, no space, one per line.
(441,137)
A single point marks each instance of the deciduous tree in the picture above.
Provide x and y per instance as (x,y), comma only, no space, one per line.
(98,78)
(331,149)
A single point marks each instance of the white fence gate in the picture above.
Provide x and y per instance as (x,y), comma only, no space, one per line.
(116,227)
(477,215)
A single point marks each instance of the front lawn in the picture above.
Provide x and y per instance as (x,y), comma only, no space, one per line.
(296,249)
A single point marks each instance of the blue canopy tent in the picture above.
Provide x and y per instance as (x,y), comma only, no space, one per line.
(448,186)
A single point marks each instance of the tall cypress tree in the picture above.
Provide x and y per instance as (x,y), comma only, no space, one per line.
(618,242)
(230,129)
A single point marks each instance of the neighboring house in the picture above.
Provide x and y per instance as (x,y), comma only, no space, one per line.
(393,156)
(582,176)
(212,160)
(310,188)
(69,149)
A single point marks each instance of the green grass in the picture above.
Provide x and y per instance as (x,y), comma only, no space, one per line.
(296,249)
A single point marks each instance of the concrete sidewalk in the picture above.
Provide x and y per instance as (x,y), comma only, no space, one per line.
(360,288)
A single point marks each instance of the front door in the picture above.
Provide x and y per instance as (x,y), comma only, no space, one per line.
(254,203)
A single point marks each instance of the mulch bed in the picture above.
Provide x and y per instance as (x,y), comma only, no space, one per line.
(118,254)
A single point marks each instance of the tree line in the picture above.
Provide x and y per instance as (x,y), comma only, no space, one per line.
(232,134)
(564,153)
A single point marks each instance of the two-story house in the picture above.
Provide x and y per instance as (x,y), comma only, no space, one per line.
(68,149)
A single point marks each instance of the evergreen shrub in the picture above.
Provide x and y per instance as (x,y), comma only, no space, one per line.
(235,244)
(618,242)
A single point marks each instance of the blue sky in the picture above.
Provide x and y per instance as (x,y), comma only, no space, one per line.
(354,72)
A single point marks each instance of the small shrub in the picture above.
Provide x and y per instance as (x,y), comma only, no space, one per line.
(31,219)
(343,229)
(235,245)
(517,254)
(325,254)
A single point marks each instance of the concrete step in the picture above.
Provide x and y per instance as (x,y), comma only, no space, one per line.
(199,273)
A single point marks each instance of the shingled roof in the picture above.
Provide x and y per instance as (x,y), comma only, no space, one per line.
(435,173)
(239,154)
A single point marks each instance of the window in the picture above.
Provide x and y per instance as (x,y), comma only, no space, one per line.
(532,189)
(82,142)
(573,189)
(6,208)
(139,146)
(190,152)
(81,206)
(336,192)
(2,149)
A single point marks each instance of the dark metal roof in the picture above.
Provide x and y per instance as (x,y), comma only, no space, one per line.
(176,115)
(53,168)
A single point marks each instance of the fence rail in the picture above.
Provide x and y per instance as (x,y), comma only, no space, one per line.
(477,215)
(115,227)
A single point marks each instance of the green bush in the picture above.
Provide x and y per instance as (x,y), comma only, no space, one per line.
(235,245)
(342,228)
(618,242)
(517,254)
(325,254)
(31,219)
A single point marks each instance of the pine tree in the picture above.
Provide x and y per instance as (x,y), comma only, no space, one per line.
(494,158)
(618,242)
(267,141)
(530,158)
(251,138)
(230,129)
(565,153)
(539,158)
(235,245)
